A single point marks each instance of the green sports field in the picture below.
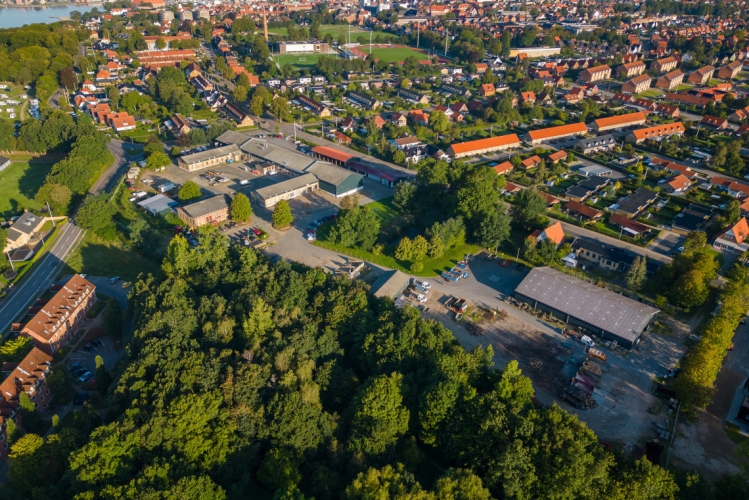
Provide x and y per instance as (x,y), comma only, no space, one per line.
(300,61)
(393,55)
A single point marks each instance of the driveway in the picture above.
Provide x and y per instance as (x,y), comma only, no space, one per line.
(667,243)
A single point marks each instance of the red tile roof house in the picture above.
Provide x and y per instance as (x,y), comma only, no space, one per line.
(730,186)
(714,122)
(582,211)
(504,168)
(558,156)
(678,184)
(734,238)
(554,233)
(531,162)
(54,325)
(629,226)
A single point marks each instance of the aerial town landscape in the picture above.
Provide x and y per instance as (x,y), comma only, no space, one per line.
(368,250)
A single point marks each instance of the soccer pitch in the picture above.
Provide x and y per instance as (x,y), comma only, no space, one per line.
(300,60)
(393,55)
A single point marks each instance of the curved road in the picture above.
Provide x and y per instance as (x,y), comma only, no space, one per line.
(43,272)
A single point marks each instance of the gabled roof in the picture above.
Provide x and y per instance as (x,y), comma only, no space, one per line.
(621,120)
(549,133)
(489,142)
(504,167)
(582,209)
(659,130)
(679,182)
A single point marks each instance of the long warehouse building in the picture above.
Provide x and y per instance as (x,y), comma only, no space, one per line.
(601,312)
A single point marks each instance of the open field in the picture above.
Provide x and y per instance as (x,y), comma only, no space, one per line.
(299,60)
(683,86)
(650,93)
(389,55)
(19,184)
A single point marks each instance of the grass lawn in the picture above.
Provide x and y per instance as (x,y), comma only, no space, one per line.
(683,86)
(19,184)
(391,221)
(299,60)
(105,258)
(393,55)
(650,93)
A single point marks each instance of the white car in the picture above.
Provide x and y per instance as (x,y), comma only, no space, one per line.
(425,285)
(587,341)
(421,298)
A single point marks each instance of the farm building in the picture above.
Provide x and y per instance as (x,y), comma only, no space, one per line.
(581,304)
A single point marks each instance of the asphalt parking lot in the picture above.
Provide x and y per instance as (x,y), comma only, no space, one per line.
(85,357)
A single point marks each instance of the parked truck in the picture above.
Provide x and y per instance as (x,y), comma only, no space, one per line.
(167,186)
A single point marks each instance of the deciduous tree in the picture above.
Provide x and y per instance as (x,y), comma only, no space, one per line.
(241,209)
(189,191)
(282,216)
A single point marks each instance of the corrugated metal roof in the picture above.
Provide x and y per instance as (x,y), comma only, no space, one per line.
(610,311)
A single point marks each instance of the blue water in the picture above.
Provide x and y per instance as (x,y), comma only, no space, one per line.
(13,17)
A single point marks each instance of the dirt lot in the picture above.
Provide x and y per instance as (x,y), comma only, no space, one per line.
(626,410)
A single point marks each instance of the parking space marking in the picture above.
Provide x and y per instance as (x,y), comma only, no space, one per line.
(493,278)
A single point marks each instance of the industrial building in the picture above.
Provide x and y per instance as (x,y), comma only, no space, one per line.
(285,190)
(598,311)
(209,211)
(210,158)
(313,47)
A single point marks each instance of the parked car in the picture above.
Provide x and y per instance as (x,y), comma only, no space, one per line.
(425,285)
(115,279)
(421,298)
(84,377)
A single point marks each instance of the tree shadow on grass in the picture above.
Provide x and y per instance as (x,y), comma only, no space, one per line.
(99,258)
(34,177)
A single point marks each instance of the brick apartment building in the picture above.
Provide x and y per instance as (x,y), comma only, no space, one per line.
(29,376)
(54,325)
(670,81)
(208,211)
(637,84)
(702,75)
(664,65)
(730,71)
(596,74)
(629,70)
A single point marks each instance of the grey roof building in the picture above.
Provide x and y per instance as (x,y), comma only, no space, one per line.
(157,205)
(232,137)
(639,200)
(336,180)
(593,144)
(210,158)
(285,190)
(208,211)
(602,312)
(390,284)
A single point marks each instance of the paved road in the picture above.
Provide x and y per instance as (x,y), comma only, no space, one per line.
(43,272)
(573,230)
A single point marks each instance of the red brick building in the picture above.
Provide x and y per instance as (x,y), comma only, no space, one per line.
(54,325)
(30,376)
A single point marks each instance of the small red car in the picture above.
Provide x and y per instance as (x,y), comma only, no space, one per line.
(506,263)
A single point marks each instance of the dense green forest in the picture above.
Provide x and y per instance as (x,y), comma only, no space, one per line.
(247,377)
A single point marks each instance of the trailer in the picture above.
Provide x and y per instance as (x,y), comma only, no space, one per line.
(449,276)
